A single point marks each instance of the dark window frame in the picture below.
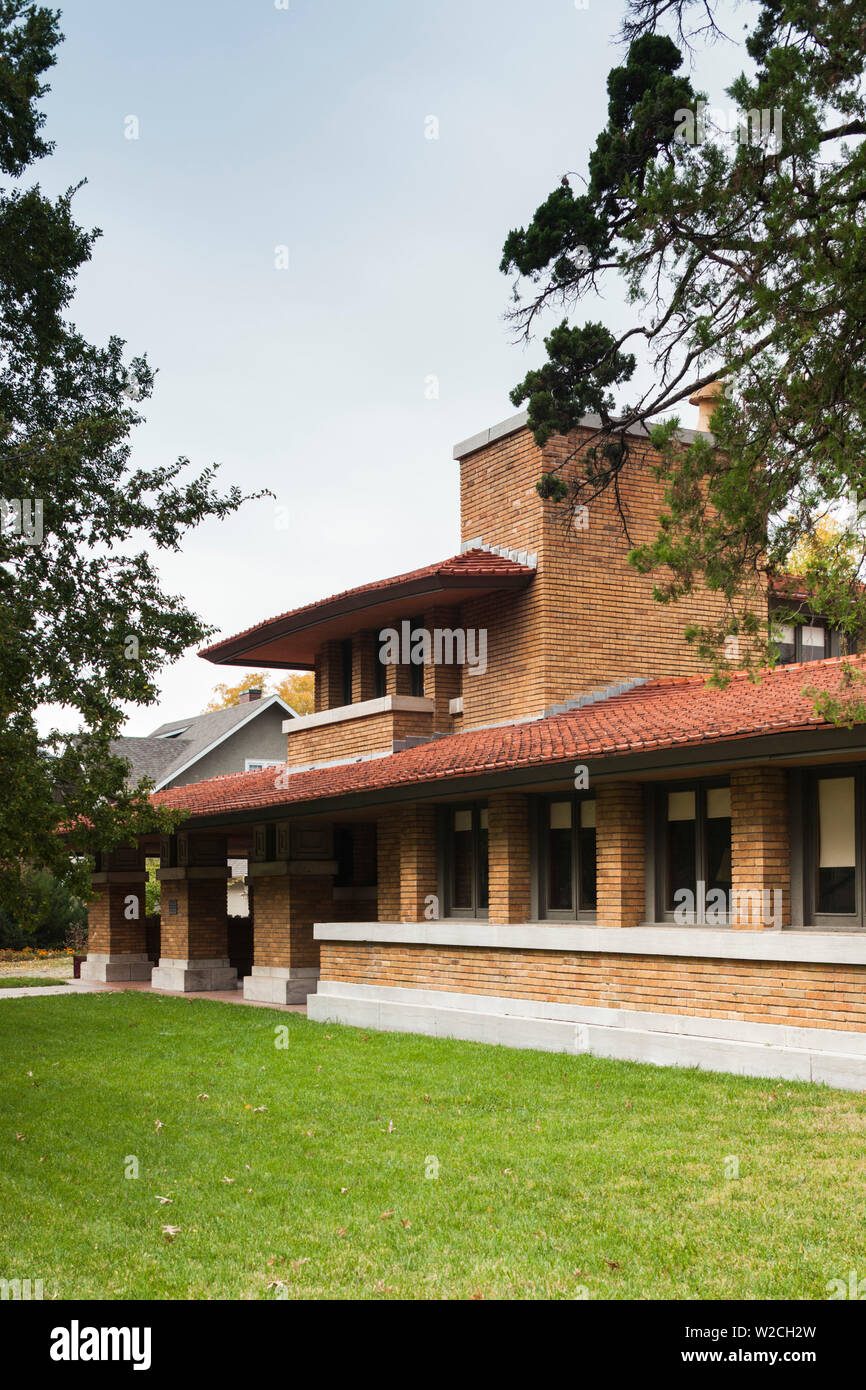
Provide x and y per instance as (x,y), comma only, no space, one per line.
(833,921)
(577,912)
(832,639)
(700,786)
(346,661)
(446,861)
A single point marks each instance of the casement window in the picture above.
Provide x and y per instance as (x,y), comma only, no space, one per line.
(693,852)
(566,858)
(809,641)
(416,678)
(379,686)
(346,670)
(834,858)
(464,852)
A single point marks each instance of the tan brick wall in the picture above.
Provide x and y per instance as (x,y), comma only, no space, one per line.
(620,849)
(406,839)
(198,930)
(364,650)
(588,618)
(284,910)
(388,872)
(508,857)
(108,930)
(370,734)
(760,846)
(328,678)
(442,683)
(417,860)
(800,995)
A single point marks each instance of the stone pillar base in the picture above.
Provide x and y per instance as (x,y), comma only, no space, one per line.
(114,966)
(277,984)
(182,976)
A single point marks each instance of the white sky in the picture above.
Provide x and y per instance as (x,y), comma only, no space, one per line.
(304,127)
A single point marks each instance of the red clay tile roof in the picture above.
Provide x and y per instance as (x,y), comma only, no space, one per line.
(293,636)
(665,713)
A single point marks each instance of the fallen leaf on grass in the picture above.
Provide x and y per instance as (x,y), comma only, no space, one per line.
(612,1264)
(158,1125)
(304,1260)
(170,1231)
(162,1200)
(385,1214)
(406,1224)
(228,1179)
(203,1096)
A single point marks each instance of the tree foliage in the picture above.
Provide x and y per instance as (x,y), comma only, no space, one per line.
(84,621)
(296,689)
(742,248)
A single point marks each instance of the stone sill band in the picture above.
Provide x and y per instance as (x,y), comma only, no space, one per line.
(384,704)
(823,948)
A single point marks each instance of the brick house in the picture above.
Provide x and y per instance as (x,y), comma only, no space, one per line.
(533,822)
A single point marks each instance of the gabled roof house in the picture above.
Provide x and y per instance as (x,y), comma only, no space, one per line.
(519,813)
(240,738)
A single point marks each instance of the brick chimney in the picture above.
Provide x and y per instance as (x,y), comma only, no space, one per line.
(706,399)
(247,696)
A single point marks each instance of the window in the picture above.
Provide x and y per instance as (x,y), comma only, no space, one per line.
(466,862)
(693,853)
(254,764)
(346,670)
(378,675)
(416,678)
(812,640)
(567,862)
(834,848)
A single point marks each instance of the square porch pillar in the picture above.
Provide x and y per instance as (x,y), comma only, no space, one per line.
(508,857)
(760,849)
(194,952)
(292,887)
(407,870)
(116,940)
(621,853)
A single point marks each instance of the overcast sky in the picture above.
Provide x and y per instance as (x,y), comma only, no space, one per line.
(261,127)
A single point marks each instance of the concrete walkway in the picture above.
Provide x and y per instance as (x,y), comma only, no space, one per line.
(225,996)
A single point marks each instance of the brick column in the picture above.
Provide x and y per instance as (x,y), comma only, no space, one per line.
(407,873)
(287,899)
(418,876)
(365,647)
(116,935)
(194,950)
(442,683)
(328,679)
(621,854)
(509,857)
(760,849)
(388,866)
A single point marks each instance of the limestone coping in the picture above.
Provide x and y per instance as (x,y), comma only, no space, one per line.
(385,704)
(836,948)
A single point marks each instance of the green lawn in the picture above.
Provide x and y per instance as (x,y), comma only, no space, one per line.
(305,1167)
(29,981)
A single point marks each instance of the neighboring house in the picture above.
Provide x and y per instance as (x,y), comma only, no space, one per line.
(241,738)
(519,814)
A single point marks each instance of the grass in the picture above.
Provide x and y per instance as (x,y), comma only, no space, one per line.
(29,981)
(301,1171)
